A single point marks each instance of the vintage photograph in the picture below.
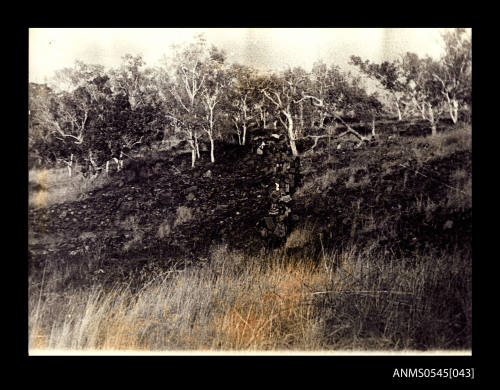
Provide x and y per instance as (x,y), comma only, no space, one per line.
(250,191)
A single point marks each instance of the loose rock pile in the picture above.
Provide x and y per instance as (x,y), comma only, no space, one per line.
(285,171)
(159,208)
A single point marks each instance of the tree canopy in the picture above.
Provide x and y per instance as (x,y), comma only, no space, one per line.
(89,115)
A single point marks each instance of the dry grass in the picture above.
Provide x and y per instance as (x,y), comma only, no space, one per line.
(460,196)
(227,305)
(442,144)
(347,301)
(299,237)
(414,303)
(55,186)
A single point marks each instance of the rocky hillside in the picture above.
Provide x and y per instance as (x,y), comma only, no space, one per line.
(159,209)
(398,194)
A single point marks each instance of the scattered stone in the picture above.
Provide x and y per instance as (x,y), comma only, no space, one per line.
(286,198)
(448,225)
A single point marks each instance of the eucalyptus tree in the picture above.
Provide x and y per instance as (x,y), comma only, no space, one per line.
(82,96)
(424,88)
(184,85)
(264,110)
(334,93)
(216,84)
(391,77)
(41,121)
(244,102)
(129,80)
(454,72)
(330,92)
(284,92)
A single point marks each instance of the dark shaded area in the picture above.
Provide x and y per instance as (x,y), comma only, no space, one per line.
(225,202)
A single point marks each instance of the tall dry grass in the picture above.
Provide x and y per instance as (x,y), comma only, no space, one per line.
(349,300)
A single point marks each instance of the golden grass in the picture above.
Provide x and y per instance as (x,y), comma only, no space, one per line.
(274,303)
(40,197)
(259,307)
(274,311)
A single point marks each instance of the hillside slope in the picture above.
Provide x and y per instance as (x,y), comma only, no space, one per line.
(404,193)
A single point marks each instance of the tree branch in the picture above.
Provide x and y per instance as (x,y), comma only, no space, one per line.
(270,98)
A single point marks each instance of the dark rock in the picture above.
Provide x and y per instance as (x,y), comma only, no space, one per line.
(280,230)
(269,223)
(127,206)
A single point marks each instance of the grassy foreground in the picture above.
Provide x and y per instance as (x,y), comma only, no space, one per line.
(354,300)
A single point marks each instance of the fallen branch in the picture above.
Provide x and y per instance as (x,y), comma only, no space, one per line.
(363,292)
(316,139)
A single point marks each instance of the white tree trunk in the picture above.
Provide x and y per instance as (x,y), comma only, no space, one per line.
(291,133)
(165,135)
(193,151)
(70,165)
(432,119)
(322,117)
(237,131)
(422,112)
(453,104)
(212,156)
(244,134)
(400,117)
(197,146)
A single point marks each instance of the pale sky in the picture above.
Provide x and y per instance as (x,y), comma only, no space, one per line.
(263,48)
